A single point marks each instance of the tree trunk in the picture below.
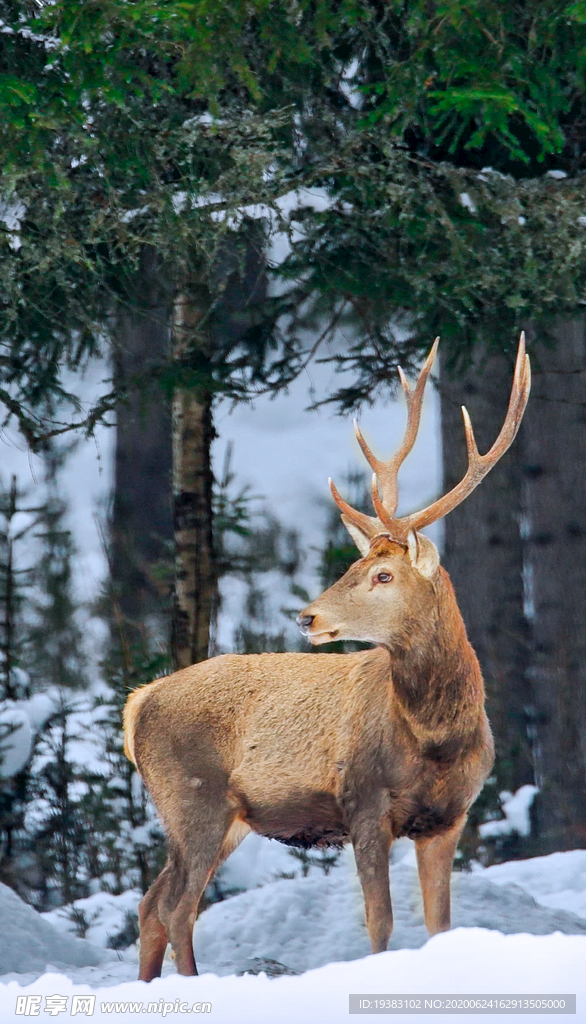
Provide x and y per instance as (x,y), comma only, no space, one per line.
(193,433)
(484,556)
(142,526)
(237,284)
(555,456)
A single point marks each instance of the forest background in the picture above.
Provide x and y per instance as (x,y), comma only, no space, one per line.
(206,198)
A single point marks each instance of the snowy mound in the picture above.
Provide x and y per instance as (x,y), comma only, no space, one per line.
(558,880)
(104,912)
(287,922)
(290,920)
(28,943)
(463,961)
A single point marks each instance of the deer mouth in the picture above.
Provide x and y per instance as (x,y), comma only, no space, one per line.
(323,637)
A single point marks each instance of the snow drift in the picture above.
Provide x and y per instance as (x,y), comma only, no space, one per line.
(28,943)
(305,923)
(314,926)
(466,961)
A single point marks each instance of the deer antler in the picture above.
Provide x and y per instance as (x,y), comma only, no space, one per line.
(385,473)
(480,465)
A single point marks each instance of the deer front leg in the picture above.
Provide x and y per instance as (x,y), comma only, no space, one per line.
(372,842)
(434,863)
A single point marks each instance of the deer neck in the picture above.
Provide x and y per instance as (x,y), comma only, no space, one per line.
(435,673)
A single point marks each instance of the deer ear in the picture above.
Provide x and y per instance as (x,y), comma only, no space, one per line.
(360,539)
(423,554)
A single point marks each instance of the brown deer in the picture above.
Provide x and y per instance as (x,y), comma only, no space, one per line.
(315,749)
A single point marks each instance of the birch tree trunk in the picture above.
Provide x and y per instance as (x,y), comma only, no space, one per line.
(238,284)
(555,453)
(193,433)
(484,555)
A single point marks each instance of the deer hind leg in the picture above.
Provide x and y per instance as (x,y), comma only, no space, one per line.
(201,867)
(153,933)
(206,828)
(206,836)
(236,833)
(434,863)
(372,843)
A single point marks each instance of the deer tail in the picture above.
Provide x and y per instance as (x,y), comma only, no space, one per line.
(131,712)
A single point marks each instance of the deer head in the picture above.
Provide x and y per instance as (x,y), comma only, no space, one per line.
(392,585)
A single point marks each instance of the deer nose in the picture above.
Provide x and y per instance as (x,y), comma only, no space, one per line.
(304,622)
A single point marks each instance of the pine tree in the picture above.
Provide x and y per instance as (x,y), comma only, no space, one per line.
(127,846)
(52,840)
(17,522)
(56,654)
(56,832)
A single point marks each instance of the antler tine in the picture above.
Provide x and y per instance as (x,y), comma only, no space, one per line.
(480,465)
(387,472)
(414,399)
(379,508)
(368,524)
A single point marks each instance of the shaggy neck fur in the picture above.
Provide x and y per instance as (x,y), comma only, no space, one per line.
(435,673)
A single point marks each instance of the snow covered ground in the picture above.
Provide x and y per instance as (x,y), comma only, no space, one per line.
(465,961)
(104,913)
(27,940)
(519,927)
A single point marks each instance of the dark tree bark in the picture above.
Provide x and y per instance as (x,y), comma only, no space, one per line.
(164,479)
(193,433)
(142,525)
(484,555)
(204,339)
(555,457)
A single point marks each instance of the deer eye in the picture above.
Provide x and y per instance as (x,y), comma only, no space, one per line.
(383,577)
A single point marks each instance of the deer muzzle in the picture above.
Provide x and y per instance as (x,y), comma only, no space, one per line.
(312,628)
(304,623)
